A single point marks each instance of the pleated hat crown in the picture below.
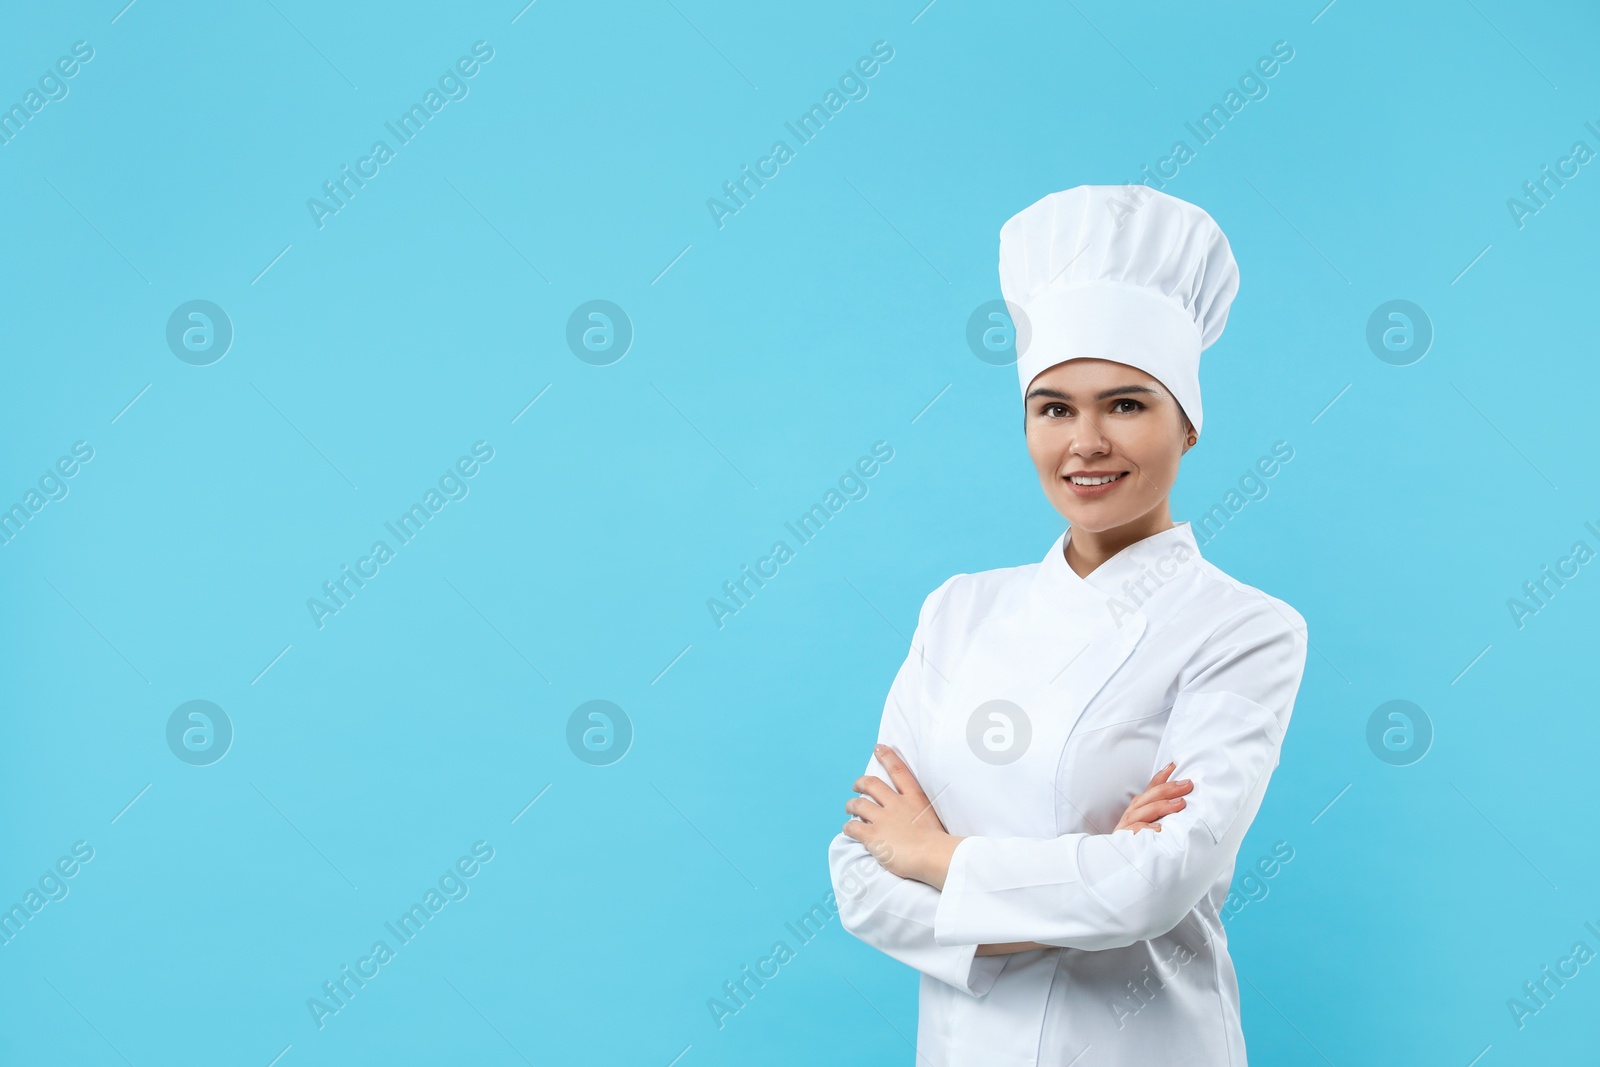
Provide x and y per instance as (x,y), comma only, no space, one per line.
(1117,272)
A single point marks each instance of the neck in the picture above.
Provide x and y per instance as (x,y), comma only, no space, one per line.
(1087,549)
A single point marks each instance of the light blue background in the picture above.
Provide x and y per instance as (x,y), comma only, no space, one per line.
(825,316)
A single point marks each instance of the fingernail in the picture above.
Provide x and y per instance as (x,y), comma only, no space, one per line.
(879,748)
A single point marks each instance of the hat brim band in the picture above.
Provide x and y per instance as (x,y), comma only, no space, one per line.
(1113,321)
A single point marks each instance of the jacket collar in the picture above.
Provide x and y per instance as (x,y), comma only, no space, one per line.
(1141,576)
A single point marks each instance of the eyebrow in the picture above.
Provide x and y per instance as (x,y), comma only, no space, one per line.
(1103,394)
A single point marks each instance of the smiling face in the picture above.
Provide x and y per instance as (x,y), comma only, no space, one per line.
(1089,420)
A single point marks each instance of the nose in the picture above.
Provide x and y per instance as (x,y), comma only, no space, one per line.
(1087,437)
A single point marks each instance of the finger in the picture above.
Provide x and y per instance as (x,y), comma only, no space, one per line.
(868,810)
(1147,813)
(874,787)
(1156,809)
(865,833)
(1164,791)
(1162,775)
(903,779)
(1139,818)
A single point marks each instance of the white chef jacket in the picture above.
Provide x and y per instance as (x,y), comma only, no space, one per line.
(1157,655)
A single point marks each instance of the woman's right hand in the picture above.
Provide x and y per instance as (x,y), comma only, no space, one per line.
(1160,798)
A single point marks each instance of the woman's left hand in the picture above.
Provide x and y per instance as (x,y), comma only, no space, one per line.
(899,826)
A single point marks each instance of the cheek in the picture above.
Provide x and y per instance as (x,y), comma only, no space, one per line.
(1160,466)
(1151,460)
(1040,453)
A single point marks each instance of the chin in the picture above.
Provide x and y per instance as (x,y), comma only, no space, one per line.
(1092,519)
(1092,526)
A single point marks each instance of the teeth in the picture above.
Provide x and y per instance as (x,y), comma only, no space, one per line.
(1077,480)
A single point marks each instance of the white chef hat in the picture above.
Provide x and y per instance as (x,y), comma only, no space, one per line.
(1122,273)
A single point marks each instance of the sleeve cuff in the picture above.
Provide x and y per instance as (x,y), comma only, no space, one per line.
(947,915)
(983,971)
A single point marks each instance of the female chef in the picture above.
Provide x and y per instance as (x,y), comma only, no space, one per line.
(1048,713)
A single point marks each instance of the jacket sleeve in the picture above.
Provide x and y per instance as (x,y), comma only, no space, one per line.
(892,914)
(1101,891)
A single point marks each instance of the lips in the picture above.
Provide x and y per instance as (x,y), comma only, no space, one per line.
(1094,483)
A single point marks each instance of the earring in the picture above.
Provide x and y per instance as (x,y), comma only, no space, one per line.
(1192,439)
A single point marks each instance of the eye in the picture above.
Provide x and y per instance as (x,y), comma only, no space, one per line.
(1053,410)
(1127,400)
